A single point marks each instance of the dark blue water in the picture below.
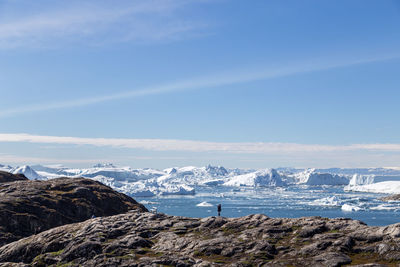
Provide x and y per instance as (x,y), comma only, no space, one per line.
(290,202)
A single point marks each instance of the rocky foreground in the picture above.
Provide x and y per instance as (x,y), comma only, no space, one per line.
(54,217)
(29,207)
(146,239)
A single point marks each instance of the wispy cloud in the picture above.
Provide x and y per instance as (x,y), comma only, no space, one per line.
(205,82)
(43,160)
(49,23)
(18,159)
(198,146)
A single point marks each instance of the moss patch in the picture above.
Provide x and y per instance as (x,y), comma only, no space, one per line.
(368,257)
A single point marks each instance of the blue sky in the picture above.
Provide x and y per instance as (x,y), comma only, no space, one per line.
(171,83)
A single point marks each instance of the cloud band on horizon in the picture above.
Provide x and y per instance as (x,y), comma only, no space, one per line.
(196,146)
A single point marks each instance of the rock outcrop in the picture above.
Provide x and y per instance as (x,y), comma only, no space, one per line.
(147,239)
(395,197)
(6,177)
(29,207)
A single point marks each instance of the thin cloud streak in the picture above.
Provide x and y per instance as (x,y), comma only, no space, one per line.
(234,77)
(47,160)
(198,146)
(41,160)
(144,21)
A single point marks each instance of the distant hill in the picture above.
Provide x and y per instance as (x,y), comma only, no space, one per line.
(6,177)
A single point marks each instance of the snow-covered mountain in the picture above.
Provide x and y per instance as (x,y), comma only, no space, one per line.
(184,180)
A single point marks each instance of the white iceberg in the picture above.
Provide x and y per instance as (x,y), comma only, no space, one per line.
(311,177)
(388,187)
(359,179)
(6,168)
(28,172)
(191,175)
(386,207)
(332,201)
(268,177)
(350,208)
(176,190)
(204,204)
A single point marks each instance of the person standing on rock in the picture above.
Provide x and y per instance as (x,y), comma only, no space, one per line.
(219,208)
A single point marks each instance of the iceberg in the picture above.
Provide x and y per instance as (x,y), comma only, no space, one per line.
(183,180)
(311,177)
(28,172)
(122,174)
(385,207)
(388,187)
(268,177)
(359,179)
(204,204)
(350,208)
(176,190)
(191,175)
(333,201)
(6,168)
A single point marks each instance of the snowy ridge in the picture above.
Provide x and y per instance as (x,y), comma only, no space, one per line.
(183,180)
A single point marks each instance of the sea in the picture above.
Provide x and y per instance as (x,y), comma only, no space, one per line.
(288,202)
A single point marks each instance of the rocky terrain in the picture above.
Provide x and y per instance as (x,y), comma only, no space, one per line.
(147,239)
(6,177)
(395,197)
(49,223)
(29,207)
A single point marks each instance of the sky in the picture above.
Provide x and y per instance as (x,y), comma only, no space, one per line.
(161,83)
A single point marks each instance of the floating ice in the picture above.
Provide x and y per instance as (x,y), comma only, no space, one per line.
(182,189)
(388,187)
(204,204)
(350,208)
(328,201)
(146,202)
(385,207)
